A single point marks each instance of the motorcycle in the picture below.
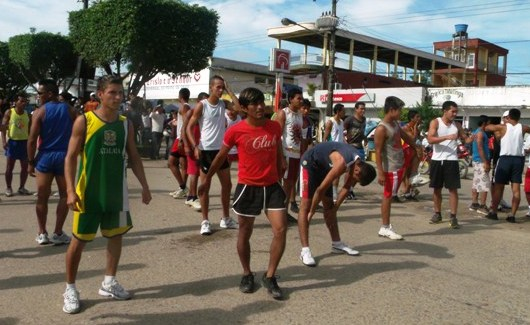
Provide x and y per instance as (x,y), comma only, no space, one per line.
(464,160)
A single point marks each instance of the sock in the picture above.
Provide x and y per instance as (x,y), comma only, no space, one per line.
(385,226)
(336,243)
(335,191)
(71,286)
(453,216)
(183,186)
(189,197)
(109,279)
(305,249)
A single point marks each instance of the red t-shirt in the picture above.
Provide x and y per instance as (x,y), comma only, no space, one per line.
(258,151)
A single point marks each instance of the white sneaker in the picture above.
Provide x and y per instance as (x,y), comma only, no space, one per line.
(389,232)
(180,193)
(42,239)
(60,239)
(188,202)
(228,223)
(342,248)
(71,301)
(306,258)
(114,290)
(196,205)
(9,192)
(418,181)
(174,192)
(205,228)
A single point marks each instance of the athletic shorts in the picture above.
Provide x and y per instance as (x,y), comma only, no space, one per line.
(51,162)
(392,182)
(17,149)
(206,159)
(481,179)
(175,151)
(85,225)
(310,179)
(249,200)
(444,173)
(193,165)
(509,169)
(292,170)
(527,181)
(408,155)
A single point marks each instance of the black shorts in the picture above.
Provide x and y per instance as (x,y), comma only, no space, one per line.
(206,159)
(444,173)
(250,200)
(509,169)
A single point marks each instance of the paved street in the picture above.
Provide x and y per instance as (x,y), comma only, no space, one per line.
(478,274)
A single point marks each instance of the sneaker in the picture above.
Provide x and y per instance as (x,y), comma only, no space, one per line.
(228,223)
(187,201)
(528,214)
(60,239)
(196,205)
(492,216)
(294,207)
(291,219)
(9,192)
(114,290)
(505,205)
(510,219)
(272,286)
(205,228)
(436,218)
(350,196)
(42,239)
(174,192)
(23,191)
(247,283)
(342,248)
(483,209)
(453,223)
(180,193)
(389,232)
(71,301)
(419,181)
(474,207)
(306,258)
(410,197)
(396,199)
(55,194)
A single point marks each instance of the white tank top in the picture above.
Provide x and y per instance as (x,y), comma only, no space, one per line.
(445,150)
(180,121)
(337,130)
(292,133)
(212,125)
(512,141)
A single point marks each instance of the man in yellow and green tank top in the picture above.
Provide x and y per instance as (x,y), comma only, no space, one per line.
(99,199)
(16,124)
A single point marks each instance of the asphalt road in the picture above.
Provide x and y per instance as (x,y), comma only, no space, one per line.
(478,274)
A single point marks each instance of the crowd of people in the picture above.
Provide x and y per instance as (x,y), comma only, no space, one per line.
(87,155)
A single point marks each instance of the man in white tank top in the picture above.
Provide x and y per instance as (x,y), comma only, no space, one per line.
(443,134)
(177,161)
(510,166)
(210,114)
(334,131)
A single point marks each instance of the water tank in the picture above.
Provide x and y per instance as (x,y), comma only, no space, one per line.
(460,28)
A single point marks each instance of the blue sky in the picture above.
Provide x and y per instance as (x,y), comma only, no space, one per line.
(243,24)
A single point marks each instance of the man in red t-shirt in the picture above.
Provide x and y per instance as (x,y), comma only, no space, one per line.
(258,142)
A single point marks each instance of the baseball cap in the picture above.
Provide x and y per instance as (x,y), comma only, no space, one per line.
(93,94)
(506,113)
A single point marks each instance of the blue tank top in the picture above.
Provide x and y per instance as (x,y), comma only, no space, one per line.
(485,147)
(56,127)
(318,156)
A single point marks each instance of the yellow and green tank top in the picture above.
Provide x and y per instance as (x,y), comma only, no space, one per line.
(18,125)
(102,184)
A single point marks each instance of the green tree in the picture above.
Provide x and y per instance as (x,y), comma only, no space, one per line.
(11,80)
(43,55)
(146,37)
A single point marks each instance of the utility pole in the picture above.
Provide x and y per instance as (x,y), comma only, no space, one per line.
(82,82)
(329,23)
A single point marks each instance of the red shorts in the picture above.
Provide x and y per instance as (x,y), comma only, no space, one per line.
(392,183)
(527,181)
(176,151)
(193,165)
(408,155)
(292,170)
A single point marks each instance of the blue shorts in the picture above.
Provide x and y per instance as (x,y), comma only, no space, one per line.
(509,169)
(17,149)
(51,162)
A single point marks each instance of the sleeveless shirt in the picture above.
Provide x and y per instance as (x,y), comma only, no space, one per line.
(292,133)
(445,150)
(512,141)
(56,127)
(392,154)
(337,130)
(18,125)
(102,184)
(212,125)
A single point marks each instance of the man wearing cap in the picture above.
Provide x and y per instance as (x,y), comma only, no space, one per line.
(92,103)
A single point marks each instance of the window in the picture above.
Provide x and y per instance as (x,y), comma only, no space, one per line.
(470,60)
